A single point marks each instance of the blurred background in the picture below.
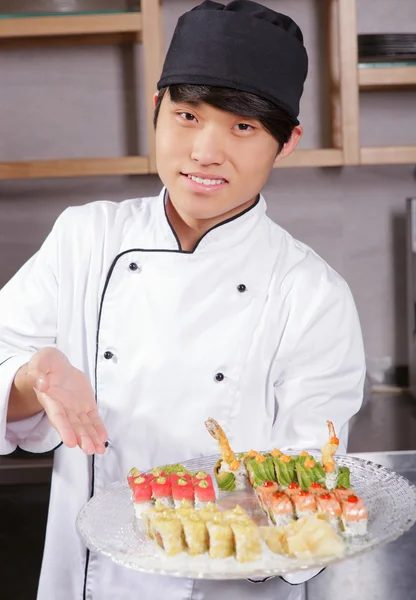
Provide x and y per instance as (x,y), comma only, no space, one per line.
(76,92)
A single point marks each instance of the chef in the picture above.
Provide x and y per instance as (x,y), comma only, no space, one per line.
(136,321)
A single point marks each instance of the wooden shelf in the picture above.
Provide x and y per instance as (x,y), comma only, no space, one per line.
(71,25)
(75,167)
(321,157)
(373,78)
(388,155)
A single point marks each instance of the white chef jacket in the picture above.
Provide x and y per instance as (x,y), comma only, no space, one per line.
(250,303)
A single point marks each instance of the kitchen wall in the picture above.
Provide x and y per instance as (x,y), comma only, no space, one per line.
(80,102)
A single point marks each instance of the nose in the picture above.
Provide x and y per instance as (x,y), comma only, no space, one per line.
(208,147)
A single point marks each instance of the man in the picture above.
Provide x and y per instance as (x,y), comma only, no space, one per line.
(137,321)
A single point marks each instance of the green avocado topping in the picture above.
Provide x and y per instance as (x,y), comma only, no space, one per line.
(225,481)
(344,477)
(285,471)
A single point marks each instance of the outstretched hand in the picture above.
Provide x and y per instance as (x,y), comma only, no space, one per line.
(66,395)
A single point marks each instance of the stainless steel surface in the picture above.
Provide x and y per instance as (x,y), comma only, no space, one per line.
(385,574)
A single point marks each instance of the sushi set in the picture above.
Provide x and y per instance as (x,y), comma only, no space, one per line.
(250,514)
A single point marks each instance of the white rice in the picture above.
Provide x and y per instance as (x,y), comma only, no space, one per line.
(354,528)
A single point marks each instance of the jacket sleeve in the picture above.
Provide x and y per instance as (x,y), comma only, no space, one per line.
(28,322)
(323,375)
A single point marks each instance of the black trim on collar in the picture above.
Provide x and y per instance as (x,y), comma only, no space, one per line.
(209,230)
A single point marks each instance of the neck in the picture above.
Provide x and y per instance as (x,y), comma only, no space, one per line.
(189,231)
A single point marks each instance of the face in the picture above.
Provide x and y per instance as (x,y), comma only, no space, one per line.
(213,163)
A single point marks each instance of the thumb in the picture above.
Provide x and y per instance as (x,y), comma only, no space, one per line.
(39,379)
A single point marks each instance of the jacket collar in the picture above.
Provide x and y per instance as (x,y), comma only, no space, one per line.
(226,234)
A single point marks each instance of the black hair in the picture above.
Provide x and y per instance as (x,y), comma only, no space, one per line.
(275,120)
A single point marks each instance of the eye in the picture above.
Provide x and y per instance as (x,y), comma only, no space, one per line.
(244,127)
(187,116)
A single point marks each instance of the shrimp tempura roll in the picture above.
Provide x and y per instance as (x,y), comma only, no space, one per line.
(196,534)
(221,538)
(168,533)
(247,541)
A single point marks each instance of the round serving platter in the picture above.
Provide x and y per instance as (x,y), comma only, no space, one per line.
(106,524)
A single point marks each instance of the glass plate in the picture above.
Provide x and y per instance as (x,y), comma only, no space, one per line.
(106,524)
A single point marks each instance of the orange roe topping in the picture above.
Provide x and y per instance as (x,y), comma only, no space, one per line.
(252,454)
(303,493)
(352,498)
(317,485)
(293,486)
(235,465)
(304,453)
(285,458)
(260,458)
(278,494)
(325,497)
(329,467)
(309,463)
(268,484)
(334,440)
(275,452)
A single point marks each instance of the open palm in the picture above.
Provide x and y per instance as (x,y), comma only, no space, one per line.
(66,395)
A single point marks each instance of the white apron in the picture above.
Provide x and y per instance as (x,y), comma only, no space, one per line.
(250,303)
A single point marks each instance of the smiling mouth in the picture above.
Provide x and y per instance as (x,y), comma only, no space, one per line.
(205,180)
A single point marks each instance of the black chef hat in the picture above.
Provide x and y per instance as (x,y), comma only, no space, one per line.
(243,46)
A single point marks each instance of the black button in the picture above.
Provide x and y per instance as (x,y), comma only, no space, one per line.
(108,355)
(106,444)
(219,377)
(133,266)
(241,288)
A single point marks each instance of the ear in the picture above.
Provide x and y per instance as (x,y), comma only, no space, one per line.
(290,146)
(155,97)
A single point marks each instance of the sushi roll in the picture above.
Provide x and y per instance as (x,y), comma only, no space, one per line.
(221,538)
(328,462)
(247,542)
(309,471)
(343,478)
(200,476)
(342,493)
(285,468)
(280,509)
(133,473)
(304,504)
(204,492)
(354,516)
(180,475)
(263,492)
(209,512)
(158,510)
(329,506)
(236,515)
(162,490)
(317,489)
(195,532)
(292,489)
(183,490)
(169,535)
(229,472)
(260,468)
(142,494)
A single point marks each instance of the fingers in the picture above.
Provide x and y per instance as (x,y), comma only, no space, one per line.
(57,416)
(75,429)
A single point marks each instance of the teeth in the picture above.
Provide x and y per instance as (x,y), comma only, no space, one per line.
(206,181)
